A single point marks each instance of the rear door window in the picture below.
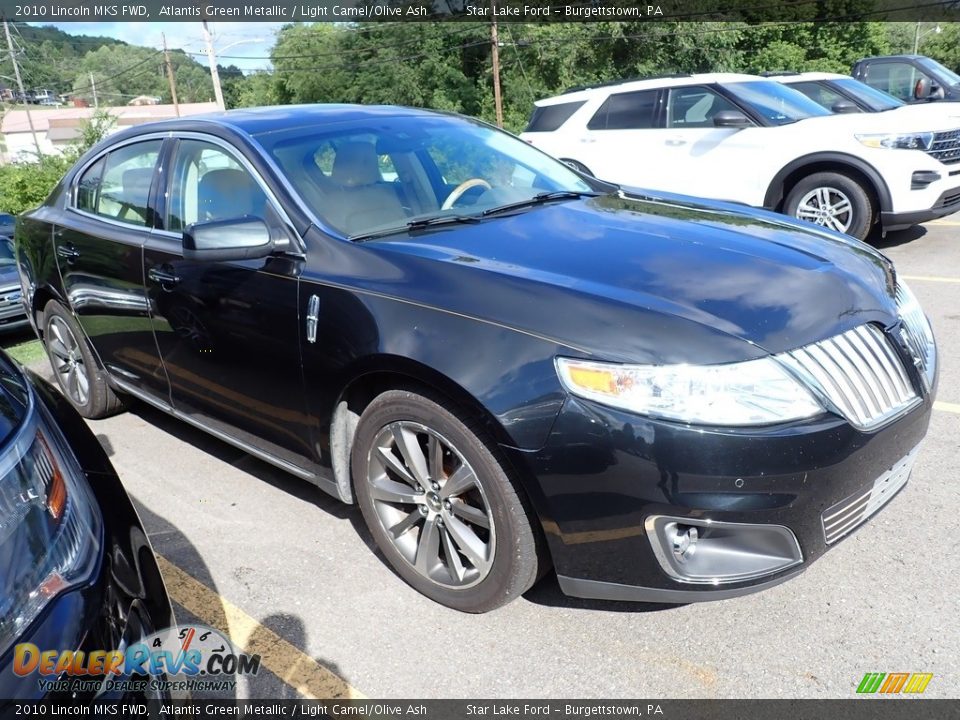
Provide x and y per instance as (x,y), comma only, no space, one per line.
(123,192)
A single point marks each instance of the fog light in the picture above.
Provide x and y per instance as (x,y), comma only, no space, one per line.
(692,550)
(684,541)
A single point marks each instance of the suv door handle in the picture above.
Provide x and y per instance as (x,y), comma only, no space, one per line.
(68,252)
(676,142)
(166,279)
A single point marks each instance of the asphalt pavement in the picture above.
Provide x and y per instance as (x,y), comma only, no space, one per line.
(292,572)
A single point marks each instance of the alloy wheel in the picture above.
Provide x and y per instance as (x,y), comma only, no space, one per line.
(68,361)
(826,206)
(431,505)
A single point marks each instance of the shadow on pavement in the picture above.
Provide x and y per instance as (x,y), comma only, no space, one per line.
(898,237)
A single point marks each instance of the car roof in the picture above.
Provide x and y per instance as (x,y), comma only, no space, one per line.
(648,83)
(794,77)
(255,121)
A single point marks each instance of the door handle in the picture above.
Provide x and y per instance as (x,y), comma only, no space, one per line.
(313,315)
(68,252)
(164,278)
(676,142)
(588,140)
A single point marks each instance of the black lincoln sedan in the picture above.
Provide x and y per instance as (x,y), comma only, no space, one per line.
(505,364)
(76,569)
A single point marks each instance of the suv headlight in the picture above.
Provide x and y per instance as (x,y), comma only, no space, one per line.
(898,141)
(756,392)
(50,526)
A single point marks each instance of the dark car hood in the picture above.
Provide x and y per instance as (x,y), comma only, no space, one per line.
(615,275)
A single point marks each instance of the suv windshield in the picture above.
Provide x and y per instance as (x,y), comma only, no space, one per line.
(876,100)
(777,103)
(945,73)
(379,176)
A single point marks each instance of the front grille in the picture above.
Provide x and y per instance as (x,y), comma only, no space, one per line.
(948,200)
(858,372)
(946,147)
(918,335)
(843,517)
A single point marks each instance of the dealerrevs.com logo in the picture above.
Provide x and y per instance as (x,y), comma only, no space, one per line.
(191,658)
(894,683)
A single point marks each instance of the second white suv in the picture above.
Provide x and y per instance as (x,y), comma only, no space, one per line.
(751,140)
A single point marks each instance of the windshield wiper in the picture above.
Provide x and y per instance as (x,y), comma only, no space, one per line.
(418,223)
(540,199)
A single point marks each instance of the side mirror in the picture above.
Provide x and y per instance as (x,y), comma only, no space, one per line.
(924,89)
(243,238)
(844,106)
(731,119)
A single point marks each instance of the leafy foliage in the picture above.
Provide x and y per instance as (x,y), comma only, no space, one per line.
(26,185)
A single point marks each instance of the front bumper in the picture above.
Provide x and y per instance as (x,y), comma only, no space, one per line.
(947,204)
(604,473)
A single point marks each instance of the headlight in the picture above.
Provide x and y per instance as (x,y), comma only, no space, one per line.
(898,141)
(757,392)
(49,525)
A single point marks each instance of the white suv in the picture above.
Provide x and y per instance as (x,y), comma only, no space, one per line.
(756,141)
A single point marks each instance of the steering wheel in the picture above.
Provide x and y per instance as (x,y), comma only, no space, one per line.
(462,188)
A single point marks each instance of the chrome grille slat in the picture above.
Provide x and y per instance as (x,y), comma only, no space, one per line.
(844,516)
(918,335)
(946,147)
(858,373)
(886,385)
(869,375)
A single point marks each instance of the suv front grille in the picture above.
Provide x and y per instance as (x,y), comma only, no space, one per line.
(858,373)
(946,147)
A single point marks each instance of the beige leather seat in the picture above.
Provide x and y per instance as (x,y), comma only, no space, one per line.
(360,200)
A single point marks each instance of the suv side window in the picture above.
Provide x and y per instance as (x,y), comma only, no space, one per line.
(694,107)
(207,183)
(118,186)
(547,118)
(626,111)
(820,94)
(897,78)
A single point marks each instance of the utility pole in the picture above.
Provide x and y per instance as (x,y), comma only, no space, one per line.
(173,84)
(93,85)
(916,38)
(23,94)
(214,73)
(495,50)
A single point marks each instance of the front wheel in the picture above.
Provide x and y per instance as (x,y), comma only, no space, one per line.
(833,200)
(440,504)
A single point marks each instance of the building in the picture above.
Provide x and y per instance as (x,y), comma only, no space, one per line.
(59,128)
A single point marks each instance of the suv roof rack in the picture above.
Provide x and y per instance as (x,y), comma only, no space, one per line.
(611,83)
(778,73)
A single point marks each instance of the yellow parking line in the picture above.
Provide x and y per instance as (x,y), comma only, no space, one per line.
(947,407)
(931,278)
(287,662)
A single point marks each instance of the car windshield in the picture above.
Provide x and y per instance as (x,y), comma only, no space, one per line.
(876,100)
(944,72)
(777,103)
(7,258)
(378,175)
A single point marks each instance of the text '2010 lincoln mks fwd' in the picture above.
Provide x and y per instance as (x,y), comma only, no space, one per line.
(505,364)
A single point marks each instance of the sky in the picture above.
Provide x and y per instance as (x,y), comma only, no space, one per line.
(243,44)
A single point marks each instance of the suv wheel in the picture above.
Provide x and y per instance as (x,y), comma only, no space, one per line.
(76,370)
(440,505)
(833,200)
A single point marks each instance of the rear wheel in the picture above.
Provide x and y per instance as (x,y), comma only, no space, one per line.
(75,368)
(440,504)
(833,200)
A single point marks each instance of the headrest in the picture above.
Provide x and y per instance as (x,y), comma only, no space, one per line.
(356,164)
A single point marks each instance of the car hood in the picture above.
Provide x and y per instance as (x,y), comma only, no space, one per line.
(662,280)
(8,275)
(892,121)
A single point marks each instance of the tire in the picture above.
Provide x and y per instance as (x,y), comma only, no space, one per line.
(578,166)
(436,540)
(79,376)
(833,200)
